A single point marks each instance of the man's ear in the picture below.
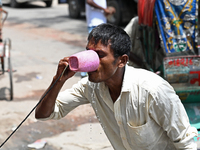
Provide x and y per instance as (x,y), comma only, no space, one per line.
(123,60)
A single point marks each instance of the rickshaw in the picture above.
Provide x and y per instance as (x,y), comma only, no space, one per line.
(6,66)
(5,60)
(170,47)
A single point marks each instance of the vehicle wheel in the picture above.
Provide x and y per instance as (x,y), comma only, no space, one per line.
(116,19)
(10,77)
(2,58)
(48,3)
(7,48)
(14,4)
(2,65)
(74,9)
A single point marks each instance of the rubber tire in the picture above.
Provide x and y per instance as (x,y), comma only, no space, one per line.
(11,78)
(48,3)
(2,65)
(117,14)
(14,4)
(10,71)
(74,9)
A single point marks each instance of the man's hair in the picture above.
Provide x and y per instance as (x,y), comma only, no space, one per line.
(112,35)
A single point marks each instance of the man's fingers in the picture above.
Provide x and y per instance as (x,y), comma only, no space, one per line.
(64,61)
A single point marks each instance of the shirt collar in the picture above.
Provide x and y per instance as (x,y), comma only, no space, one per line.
(126,86)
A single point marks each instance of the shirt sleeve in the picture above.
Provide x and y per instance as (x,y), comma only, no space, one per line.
(168,111)
(69,99)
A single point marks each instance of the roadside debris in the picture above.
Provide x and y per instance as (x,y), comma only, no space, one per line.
(39,77)
(38,144)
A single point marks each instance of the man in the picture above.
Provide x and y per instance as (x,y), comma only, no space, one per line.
(96,12)
(136,58)
(136,108)
(137,55)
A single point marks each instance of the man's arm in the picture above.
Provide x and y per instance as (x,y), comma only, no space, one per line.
(106,10)
(46,107)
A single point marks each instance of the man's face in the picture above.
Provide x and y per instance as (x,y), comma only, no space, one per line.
(108,64)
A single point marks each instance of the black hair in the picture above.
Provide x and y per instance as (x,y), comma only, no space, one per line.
(118,39)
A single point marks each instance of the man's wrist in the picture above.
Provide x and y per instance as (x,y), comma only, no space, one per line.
(55,79)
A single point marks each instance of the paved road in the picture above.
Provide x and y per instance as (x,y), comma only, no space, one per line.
(55,17)
(40,38)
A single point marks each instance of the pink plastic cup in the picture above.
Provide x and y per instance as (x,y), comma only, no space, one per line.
(86,61)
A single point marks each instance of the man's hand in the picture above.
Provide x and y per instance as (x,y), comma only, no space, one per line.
(63,63)
(46,107)
(109,11)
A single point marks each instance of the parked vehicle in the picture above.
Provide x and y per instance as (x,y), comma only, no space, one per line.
(125,9)
(17,3)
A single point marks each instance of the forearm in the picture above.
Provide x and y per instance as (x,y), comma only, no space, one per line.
(93,4)
(46,106)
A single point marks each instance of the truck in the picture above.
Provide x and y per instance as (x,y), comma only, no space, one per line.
(125,9)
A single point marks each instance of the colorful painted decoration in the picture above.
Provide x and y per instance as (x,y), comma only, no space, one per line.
(177,21)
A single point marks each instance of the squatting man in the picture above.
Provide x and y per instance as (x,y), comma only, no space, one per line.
(138,109)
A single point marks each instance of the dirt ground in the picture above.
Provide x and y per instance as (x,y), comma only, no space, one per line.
(28,89)
(32,130)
